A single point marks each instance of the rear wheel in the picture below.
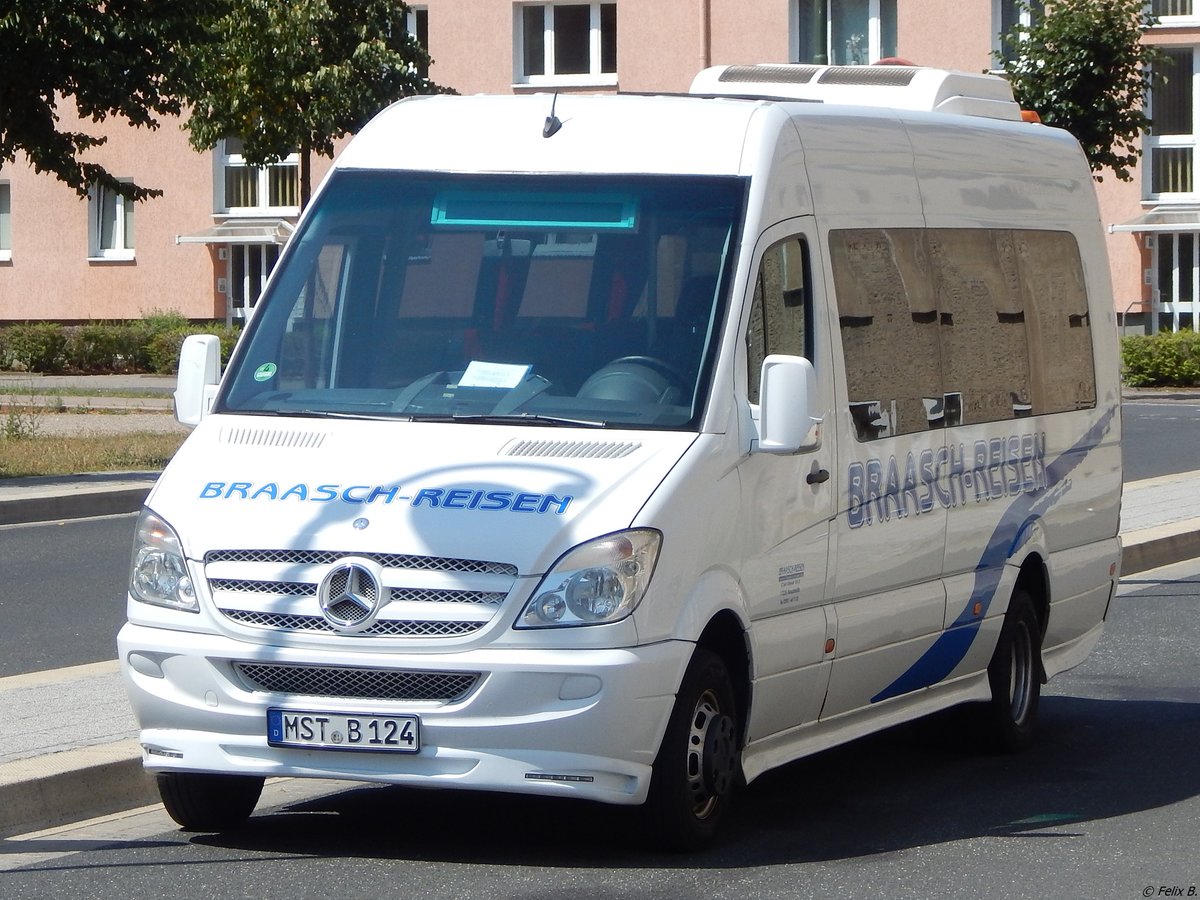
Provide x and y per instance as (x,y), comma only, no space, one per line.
(698,767)
(203,802)
(1008,721)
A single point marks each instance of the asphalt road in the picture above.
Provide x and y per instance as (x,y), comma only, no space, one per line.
(62,592)
(1160,437)
(1106,805)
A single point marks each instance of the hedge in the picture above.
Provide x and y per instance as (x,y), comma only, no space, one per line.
(1169,359)
(143,345)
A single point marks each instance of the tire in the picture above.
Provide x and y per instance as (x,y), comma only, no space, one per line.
(1008,722)
(698,768)
(209,802)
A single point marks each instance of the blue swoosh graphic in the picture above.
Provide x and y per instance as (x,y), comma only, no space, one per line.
(952,645)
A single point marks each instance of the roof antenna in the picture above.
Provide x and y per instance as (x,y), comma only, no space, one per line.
(553,122)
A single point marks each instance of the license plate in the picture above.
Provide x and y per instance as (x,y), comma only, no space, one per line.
(338,731)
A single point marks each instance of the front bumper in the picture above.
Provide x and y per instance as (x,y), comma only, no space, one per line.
(580,723)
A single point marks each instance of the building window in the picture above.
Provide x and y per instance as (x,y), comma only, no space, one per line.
(1171,143)
(843,32)
(1010,14)
(243,189)
(110,224)
(1173,12)
(416,23)
(5,221)
(1176,279)
(566,43)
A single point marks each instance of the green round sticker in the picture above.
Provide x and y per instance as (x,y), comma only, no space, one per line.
(265,372)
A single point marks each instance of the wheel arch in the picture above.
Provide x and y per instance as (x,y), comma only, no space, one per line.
(725,636)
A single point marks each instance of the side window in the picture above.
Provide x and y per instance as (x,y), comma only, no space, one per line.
(888,318)
(948,326)
(780,308)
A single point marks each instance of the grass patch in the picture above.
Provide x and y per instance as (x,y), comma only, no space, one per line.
(26,389)
(43,455)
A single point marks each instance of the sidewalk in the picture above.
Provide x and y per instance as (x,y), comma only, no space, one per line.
(68,741)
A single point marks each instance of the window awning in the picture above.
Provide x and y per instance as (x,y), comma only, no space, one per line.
(242,231)
(1163,218)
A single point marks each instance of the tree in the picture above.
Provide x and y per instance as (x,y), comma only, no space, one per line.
(1082,67)
(110,58)
(284,75)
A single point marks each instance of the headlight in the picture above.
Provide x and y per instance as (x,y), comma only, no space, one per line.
(159,572)
(598,582)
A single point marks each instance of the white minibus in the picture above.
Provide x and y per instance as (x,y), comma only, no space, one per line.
(626,447)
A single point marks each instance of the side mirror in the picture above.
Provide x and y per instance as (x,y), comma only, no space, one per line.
(199,374)
(787,390)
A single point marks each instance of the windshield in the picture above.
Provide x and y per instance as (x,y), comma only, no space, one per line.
(581,300)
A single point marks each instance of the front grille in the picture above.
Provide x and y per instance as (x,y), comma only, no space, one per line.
(373,684)
(395,595)
(423,596)
(381,628)
(387,560)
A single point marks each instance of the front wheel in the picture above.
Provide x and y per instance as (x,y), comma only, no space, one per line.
(698,767)
(1008,721)
(200,802)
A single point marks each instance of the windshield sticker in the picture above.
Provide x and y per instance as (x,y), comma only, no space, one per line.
(265,372)
(454,498)
(493,375)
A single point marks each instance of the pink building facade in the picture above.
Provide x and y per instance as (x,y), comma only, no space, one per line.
(205,246)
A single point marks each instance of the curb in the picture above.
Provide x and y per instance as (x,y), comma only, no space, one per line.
(72,785)
(77,505)
(1161,546)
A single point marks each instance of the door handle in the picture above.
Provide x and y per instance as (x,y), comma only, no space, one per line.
(818,476)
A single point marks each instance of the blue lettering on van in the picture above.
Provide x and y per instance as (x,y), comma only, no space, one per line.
(880,490)
(456,498)
(1037,487)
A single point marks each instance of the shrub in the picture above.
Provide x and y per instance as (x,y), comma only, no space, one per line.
(1168,359)
(144,345)
(36,346)
(162,350)
(99,347)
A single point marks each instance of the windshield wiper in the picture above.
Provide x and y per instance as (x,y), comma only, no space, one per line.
(334,414)
(514,419)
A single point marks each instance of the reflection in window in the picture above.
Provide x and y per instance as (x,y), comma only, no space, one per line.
(566,39)
(780,308)
(110,224)
(844,32)
(948,326)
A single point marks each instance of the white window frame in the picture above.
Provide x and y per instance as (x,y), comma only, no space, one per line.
(1152,142)
(874,29)
(1192,18)
(1168,242)
(123,213)
(5,221)
(223,160)
(594,78)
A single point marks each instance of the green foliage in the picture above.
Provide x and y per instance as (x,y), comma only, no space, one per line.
(1083,67)
(35,346)
(1170,359)
(117,58)
(162,349)
(299,75)
(102,347)
(144,345)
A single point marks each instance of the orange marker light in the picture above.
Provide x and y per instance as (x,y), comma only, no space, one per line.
(829,645)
